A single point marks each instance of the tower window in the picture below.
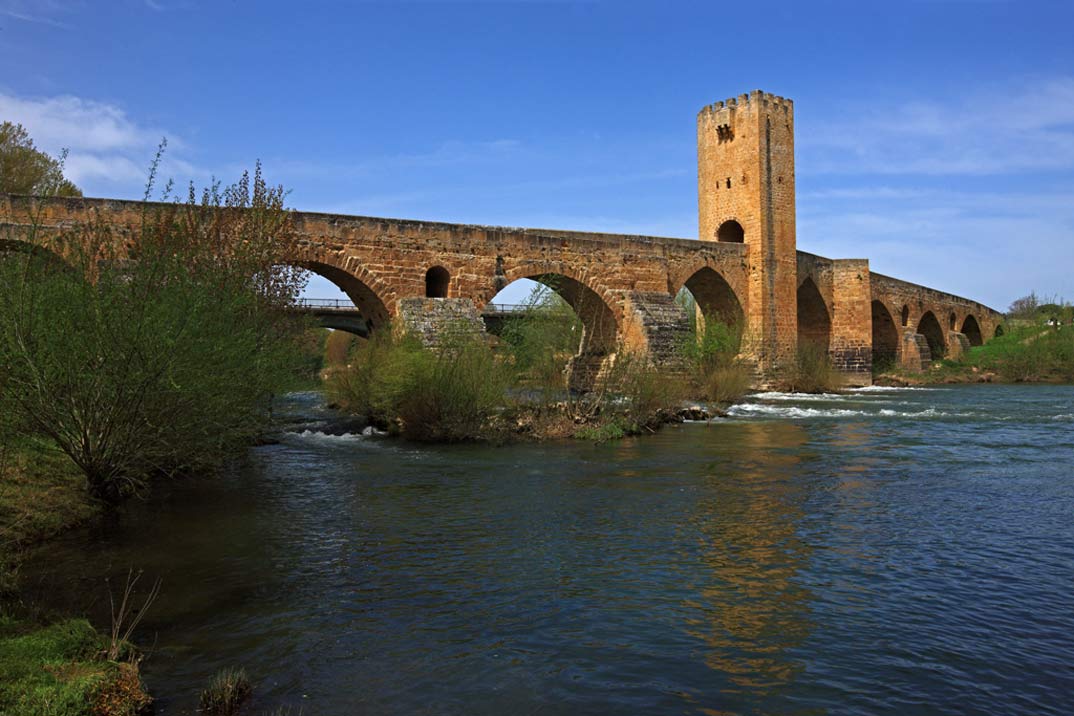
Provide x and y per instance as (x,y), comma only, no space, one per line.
(731,231)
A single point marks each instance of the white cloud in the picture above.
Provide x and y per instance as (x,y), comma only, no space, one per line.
(1022,128)
(107,149)
(988,246)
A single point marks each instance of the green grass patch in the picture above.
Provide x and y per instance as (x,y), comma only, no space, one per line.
(57,671)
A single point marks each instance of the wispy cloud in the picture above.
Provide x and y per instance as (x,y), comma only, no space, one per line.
(993,246)
(1029,127)
(106,148)
(38,13)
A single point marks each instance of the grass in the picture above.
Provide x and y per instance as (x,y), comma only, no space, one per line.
(226,693)
(42,494)
(1027,353)
(58,670)
(813,371)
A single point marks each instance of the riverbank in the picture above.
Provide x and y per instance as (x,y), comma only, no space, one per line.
(42,494)
(1030,353)
(49,665)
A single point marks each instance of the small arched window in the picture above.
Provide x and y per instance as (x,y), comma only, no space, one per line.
(436,282)
(731,231)
(906,315)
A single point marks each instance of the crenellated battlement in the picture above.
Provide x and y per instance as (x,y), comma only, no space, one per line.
(750,100)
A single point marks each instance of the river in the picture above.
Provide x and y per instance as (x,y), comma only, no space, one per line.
(887,551)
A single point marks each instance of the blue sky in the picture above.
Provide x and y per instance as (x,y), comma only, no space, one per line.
(935,138)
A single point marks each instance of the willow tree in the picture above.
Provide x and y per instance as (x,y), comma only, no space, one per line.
(155,353)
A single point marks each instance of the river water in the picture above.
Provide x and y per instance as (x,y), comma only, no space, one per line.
(890,551)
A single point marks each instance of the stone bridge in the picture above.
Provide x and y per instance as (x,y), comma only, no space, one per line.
(746,269)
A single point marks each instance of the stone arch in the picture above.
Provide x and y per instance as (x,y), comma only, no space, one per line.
(972,330)
(600,327)
(731,231)
(905,315)
(885,335)
(600,315)
(933,332)
(953,321)
(716,299)
(437,280)
(36,251)
(814,319)
(371,299)
(999,331)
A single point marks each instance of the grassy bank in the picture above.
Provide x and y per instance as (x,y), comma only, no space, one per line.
(1029,352)
(42,494)
(63,670)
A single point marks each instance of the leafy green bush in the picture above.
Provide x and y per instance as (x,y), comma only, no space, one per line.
(156,354)
(713,366)
(445,394)
(541,339)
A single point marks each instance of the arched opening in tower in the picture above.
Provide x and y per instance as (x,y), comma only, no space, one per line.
(885,336)
(814,320)
(972,330)
(931,329)
(732,231)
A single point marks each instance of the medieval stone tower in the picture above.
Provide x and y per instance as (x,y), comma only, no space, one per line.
(745,185)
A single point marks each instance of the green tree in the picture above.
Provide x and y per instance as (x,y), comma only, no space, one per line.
(24,169)
(155,355)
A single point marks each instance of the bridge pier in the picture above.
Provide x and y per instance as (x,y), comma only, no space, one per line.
(436,321)
(851,348)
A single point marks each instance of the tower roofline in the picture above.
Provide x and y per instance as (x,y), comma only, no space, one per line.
(754,97)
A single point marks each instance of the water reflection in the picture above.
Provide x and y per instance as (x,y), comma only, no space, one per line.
(749,611)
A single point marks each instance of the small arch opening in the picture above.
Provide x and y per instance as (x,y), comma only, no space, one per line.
(885,337)
(954,321)
(999,332)
(972,330)
(814,320)
(731,231)
(930,328)
(436,282)
(905,316)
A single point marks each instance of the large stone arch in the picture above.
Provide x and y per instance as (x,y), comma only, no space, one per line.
(600,315)
(972,330)
(375,301)
(885,335)
(929,327)
(716,298)
(814,318)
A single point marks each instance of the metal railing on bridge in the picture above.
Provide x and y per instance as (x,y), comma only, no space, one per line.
(336,304)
